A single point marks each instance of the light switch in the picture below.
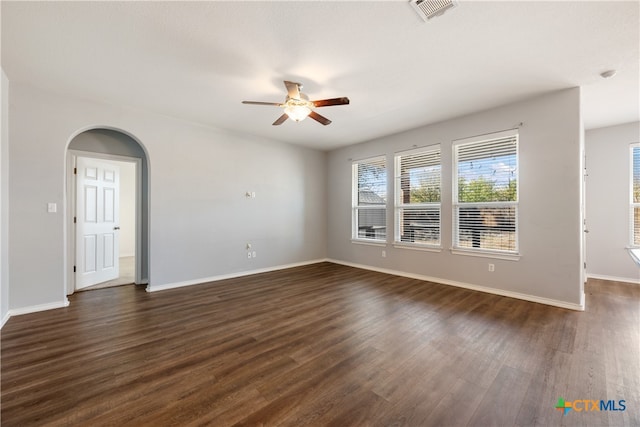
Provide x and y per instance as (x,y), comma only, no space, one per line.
(52,207)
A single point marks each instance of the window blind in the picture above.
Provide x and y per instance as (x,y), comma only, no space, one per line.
(419,177)
(370,199)
(487,171)
(635,195)
(486,194)
(418,193)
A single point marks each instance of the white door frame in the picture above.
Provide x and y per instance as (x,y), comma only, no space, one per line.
(71,208)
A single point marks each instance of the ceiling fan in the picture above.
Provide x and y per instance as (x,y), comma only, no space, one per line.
(297,105)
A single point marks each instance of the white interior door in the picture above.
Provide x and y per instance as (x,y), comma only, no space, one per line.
(97,221)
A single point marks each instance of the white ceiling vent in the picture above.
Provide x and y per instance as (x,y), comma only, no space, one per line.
(428,9)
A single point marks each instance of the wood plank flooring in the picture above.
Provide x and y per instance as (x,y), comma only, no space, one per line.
(321,345)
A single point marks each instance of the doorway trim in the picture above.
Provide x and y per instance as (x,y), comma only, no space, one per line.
(72,155)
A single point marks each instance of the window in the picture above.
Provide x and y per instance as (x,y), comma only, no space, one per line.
(370,199)
(417,183)
(635,195)
(485,193)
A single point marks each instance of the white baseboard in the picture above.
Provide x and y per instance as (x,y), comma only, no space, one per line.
(155,288)
(5,318)
(501,292)
(517,295)
(39,307)
(613,278)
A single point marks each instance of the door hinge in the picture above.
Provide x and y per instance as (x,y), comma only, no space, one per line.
(585,265)
(74,219)
(75,171)
(74,268)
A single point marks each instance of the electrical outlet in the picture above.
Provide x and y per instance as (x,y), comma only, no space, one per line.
(384,254)
(492,267)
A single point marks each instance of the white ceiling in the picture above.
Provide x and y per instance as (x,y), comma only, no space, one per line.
(199,60)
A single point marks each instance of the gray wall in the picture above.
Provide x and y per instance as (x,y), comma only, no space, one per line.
(4,199)
(199,217)
(608,166)
(550,267)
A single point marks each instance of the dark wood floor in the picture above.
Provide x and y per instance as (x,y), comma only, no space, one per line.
(321,345)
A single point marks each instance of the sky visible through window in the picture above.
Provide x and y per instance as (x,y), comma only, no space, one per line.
(372,178)
(501,170)
(418,176)
(488,179)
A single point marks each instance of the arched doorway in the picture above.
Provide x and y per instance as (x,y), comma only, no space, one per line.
(110,147)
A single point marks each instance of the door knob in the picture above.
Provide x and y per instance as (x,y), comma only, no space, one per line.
(116,228)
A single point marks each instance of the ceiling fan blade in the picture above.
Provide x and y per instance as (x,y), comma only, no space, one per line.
(329,102)
(293,89)
(277,104)
(318,118)
(280,120)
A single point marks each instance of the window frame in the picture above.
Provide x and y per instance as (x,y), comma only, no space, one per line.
(355,207)
(456,204)
(399,204)
(633,205)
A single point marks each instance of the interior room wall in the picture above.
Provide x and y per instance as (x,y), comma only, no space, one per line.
(4,199)
(199,216)
(608,197)
(550,267)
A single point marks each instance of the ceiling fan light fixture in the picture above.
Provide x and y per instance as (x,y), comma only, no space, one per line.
(297,109)
(297,106)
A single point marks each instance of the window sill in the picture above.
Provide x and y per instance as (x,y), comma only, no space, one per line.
(368,242)
(418,247)
(486,254)
(635,254)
